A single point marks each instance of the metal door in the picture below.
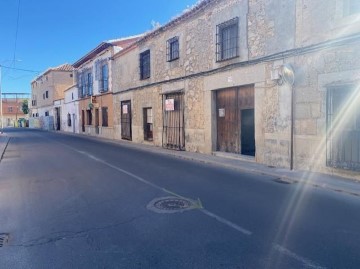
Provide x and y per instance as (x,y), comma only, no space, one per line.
(126,132)
(247,132)
(83,120)
(73,116)
(173,121)
(58,119)
(343,128)
(97,121)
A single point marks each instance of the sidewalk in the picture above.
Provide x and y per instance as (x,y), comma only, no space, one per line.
(3,143)
(334,183)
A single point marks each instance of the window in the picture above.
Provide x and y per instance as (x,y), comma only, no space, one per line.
(47,94)
(145,64)
(104,81)
(227,40)
(148,124)
(102,74)
(172,49)
(104,114)
(72,96)
(10,109)
(89,117)
(343,128)
(89,84)
(46,113)
(351,7)
(37,114)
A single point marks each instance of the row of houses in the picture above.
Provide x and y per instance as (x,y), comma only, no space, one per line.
(275,82)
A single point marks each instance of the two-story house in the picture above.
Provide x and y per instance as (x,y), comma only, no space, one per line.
(47,89)
(236,78)
(94,84)
(12,111)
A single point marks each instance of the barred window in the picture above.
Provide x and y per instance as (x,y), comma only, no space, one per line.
(145,64)
(227,38)
(172,49)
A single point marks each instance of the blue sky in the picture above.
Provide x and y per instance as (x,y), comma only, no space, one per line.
(51,33)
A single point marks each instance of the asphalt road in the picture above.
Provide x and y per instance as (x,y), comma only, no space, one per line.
(74,202)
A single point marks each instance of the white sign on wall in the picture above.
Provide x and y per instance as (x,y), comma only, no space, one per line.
(169,105)
(221,112)
(125,109)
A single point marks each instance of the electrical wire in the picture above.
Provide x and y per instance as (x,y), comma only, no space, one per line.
(338,42)
(16,34)
(19,69)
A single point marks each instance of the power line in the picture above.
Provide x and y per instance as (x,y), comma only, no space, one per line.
(16,33)
(19,69)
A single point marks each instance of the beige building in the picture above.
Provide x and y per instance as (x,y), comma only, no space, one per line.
(94,85)
(46,89)
(279,86)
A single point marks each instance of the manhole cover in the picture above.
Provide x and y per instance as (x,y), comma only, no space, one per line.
(4,238)
(284,181)
(170,205)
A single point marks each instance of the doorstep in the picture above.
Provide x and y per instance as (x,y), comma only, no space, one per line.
(234,156)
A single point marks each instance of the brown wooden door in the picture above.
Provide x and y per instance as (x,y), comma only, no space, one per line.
(229,104)
(126,120)
(228,124)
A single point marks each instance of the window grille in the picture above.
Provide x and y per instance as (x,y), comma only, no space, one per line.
(145,64)
(227,38)
(172,49)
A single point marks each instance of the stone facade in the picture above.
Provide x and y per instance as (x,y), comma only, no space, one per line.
(95,101)
(291,123)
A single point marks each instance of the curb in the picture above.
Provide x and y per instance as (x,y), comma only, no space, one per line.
(4,141)
(241,167)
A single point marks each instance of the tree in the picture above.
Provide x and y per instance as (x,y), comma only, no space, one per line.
(25,107)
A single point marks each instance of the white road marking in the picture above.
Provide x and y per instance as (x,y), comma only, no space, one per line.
(226,222)
(203,210)
(306,262)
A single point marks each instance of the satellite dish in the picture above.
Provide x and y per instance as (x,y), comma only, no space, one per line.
(287,74)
